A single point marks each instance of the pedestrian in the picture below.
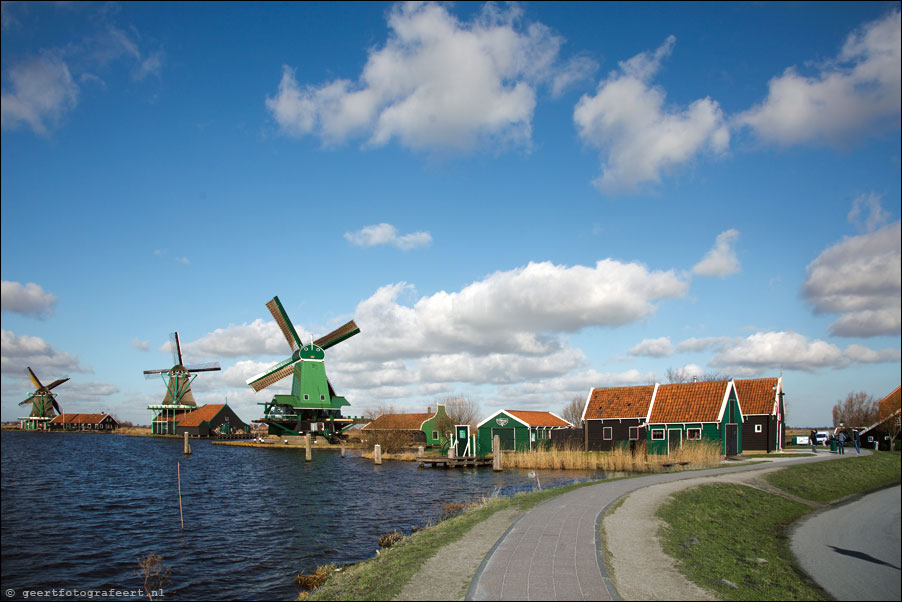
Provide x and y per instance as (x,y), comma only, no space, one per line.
(812,438)
(841,442)
(855,438)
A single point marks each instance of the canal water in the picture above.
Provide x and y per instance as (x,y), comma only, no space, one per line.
(78,510)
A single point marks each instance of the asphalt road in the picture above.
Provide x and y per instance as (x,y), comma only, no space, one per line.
(854,550)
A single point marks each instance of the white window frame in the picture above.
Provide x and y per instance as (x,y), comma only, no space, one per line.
(759,428)
(689,432)
(434,435)
(657,435)
(634,433)
(607,433)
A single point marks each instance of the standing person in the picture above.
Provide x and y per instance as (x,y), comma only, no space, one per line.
(855,439)
(812,438)
(840,440)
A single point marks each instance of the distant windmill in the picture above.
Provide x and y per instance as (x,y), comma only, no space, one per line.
(313,406)
(43,401)
(178,399)
(178,389)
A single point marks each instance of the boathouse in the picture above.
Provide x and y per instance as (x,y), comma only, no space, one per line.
(615,416)
(681,413)
(430,429)
(84,422)
(522,430)
(211,420)
(763,414)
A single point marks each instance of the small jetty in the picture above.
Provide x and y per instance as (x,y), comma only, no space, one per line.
(458,462)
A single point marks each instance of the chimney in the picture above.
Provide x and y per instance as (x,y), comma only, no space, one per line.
(428,410)
(695,379)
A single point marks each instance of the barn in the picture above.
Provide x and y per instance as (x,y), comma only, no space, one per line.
(697,411)
(763,414)
(84,422)
(211,420)
(521,430)
(616,416)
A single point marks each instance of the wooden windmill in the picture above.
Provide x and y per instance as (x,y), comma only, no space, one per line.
(43,403)
(312,407)
(178,379)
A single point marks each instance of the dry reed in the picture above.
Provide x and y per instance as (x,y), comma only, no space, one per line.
(695,454)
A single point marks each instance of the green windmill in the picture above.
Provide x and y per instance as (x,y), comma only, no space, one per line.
(43,403)
(312,407)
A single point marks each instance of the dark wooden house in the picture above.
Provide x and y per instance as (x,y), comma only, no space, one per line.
(211,420)
(84,422)
(763,413)
(615,416)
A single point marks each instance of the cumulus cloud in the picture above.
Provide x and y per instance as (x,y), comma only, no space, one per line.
(20,352)
(386,234)
(638,136)
(867,213)
(721,260)
(436,83)
(856,93)
(860,278)
(790,350)
(660,347)
(43,91)
(140,345)
(90,391)
(27,300)
(240,340)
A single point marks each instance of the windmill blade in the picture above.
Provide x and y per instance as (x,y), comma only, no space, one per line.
(211,367)
(278,313)
(176,349)
(29,400)
(56,406)
(273,375)
(34,378)
(338,335)
(57,382)
(149,374)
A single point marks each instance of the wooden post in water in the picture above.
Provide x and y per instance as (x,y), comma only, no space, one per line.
(178,469)
(420,451)
(377,454)
(496,453)
(187,447)
(307,445)
(342,448)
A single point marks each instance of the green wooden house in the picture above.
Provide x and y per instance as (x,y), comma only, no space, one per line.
(521,430)
(432,429)
(682,413)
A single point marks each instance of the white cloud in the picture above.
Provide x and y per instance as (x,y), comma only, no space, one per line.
(27,300)
(639,137)
(436,83)
(140,345)
(90,391)
(721,260)
(856,93)
(238,340)
(42,92)
(860,278)
(386,234)
(789,350)
(702,344)
(20,352)
(867,212)
(660,347)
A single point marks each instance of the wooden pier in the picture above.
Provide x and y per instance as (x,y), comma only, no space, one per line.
(460,462)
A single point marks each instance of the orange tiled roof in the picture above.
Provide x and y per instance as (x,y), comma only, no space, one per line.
(619,402)
(533,418)
(890,403)
(688,402)
(79,419)
(398,422)
(205,413)
(757,395)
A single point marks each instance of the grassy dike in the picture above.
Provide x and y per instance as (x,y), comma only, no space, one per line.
(383,577)
(731,538)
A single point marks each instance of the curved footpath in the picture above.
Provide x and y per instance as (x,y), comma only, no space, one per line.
(553,552)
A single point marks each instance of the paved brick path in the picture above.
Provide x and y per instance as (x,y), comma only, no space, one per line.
(552,552)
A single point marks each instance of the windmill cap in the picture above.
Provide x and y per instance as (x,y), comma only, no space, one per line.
(312,352)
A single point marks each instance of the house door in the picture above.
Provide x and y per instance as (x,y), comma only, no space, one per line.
(506,437)
(674,440)
(732,439)
(462,440)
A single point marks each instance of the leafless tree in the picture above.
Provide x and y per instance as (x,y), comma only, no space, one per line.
(857,409)
(461,409)
(680,375)
(891,417)
(373,412)
(573,411)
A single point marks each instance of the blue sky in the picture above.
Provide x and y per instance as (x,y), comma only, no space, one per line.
(516,203)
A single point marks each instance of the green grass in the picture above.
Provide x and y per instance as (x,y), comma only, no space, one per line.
(829,481)
(724,531)
(383,577)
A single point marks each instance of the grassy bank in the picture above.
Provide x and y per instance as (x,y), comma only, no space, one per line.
(731,538)
(383,577)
